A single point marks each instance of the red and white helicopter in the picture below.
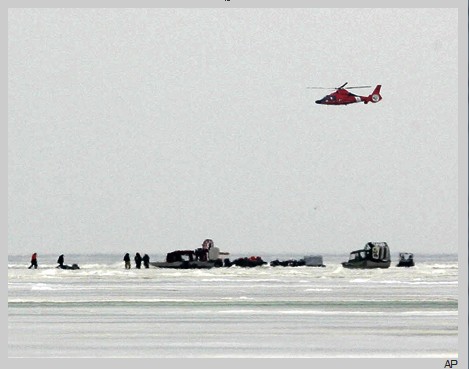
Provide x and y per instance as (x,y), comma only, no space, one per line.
(343,97)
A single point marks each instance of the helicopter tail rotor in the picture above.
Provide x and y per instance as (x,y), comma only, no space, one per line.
(375,95)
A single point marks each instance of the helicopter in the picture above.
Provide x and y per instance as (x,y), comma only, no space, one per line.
(343,97)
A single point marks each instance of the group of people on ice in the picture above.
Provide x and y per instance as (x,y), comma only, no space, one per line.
(60,261)
(138,261)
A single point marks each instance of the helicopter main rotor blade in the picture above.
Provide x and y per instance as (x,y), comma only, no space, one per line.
(328,88)
(359,87)
(337,88)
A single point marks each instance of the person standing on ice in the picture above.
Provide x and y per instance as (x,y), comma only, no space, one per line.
(60,260)
(127,261)
(146,261)
(138,260)
(33,261)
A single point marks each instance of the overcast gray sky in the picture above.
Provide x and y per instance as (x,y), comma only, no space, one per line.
(153,129)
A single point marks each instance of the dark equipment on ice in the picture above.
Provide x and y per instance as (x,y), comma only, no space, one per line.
(406,259)
(373,255)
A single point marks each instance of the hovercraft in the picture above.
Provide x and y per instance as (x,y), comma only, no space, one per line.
(373,255)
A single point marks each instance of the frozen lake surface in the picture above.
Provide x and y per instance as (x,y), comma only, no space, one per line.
(103,310)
